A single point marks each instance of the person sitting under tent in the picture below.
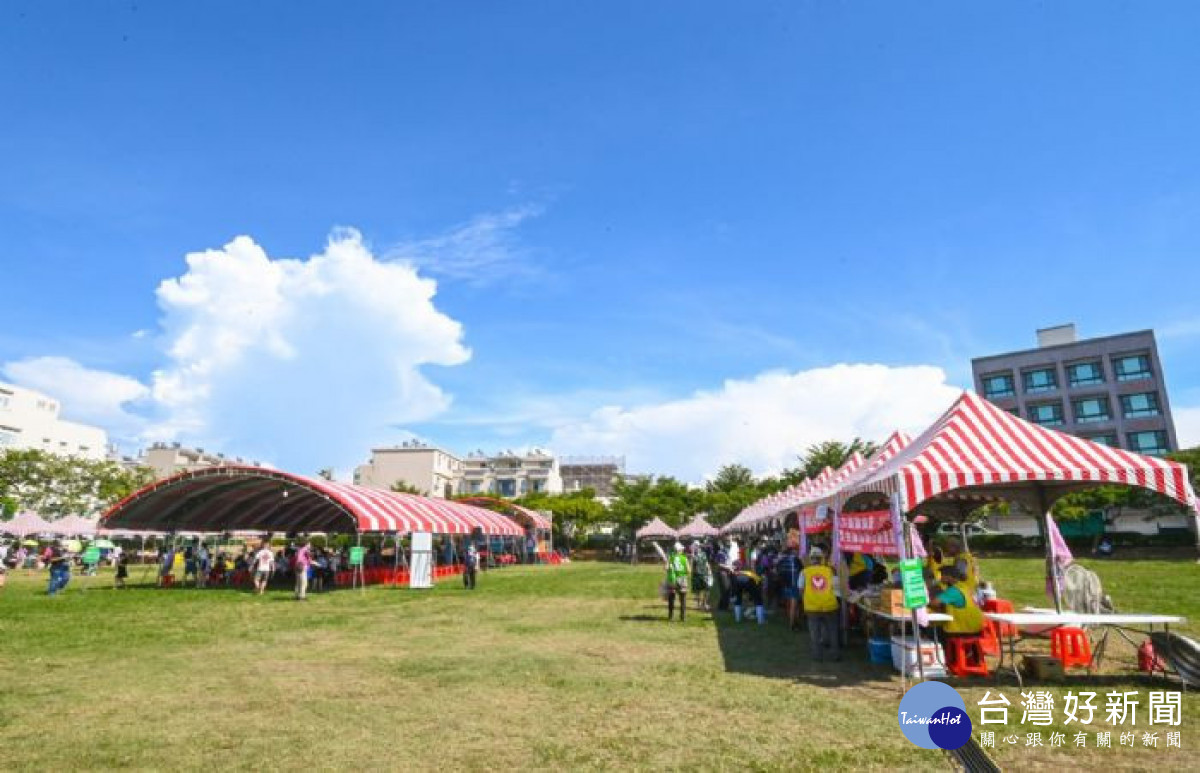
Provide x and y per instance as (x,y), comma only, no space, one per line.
(821,606)
(858,568)
(957,599)
(745,582)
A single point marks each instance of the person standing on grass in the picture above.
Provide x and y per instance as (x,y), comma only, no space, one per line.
(678,571)
(60,571)
(702,579)
(168,565)
(300,565)
(264,564)
(470,566)
(821,606)
(788,572)
(122,570)
(202,566)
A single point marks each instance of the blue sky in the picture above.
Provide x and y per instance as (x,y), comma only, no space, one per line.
(629,208)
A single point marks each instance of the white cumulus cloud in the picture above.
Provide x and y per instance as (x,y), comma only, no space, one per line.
(1187,426)
(86,395)
(303,361)
(764,422)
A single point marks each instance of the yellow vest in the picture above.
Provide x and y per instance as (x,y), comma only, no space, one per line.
(858,564)
(818,589)
(966,619)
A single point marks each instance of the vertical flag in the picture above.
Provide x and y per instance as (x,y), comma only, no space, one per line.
(1060,558)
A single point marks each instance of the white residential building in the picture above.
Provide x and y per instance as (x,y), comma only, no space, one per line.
(30,419)
(437,472)
(510,474)
(432,471)
(171,459)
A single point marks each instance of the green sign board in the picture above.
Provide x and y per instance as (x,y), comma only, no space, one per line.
(356,556)
(91,555)
(911,575)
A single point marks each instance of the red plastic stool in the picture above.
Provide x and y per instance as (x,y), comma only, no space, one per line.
(1003,630)
(168,580)
(965,656)
(1071,646)
(988,638)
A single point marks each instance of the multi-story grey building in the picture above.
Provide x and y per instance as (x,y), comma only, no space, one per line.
(1110,389)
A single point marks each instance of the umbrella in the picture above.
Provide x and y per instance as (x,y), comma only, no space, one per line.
(29,543)
(74,546)
(103,544)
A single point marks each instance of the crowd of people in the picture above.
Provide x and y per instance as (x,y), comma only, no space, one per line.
(772,574)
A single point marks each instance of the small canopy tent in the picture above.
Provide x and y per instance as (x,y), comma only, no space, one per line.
(977,452)
(656,529)
(698,528)
(25,524)
(221,499)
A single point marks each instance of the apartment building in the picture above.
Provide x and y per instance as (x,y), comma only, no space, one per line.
(30,419)
(432,471)
(167,459)
(598,473)
(1110,389)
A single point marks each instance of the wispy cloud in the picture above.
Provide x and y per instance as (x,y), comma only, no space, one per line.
(484,250)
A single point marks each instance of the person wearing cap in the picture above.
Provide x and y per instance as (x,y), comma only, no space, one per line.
(678,570)
(821,606)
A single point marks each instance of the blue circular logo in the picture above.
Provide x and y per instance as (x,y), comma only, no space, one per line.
(933,715)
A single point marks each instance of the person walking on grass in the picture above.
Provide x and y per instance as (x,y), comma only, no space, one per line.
(821,606)
(264,565)
(745,582)
(470,566)
(678,571)
(300,565)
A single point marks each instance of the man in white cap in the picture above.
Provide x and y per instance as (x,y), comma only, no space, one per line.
(677,581)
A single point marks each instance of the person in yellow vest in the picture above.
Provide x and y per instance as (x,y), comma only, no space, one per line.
(957,599)
(678,570)
(963,561)
(858,571)
(821,606)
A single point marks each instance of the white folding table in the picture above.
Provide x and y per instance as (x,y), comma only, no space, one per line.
(1048,620)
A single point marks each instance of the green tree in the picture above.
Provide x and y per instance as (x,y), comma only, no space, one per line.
(54,486)
(829,453)
(732,477)
(575,512)
(639,500)
(404,487)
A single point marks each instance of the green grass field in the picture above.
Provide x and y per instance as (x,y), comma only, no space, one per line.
(541,668)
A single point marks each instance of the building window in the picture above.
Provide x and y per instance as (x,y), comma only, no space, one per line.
(1140,406)
(1132,368)
(7,438)
(1091,409)
(4,401)
(1109,440)
(1047,414)
(999,386)
(1153,443)
(1085,374)
(1040,380)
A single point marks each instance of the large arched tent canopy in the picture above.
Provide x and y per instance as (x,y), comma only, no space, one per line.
(978,453)
(222,499)
(530,519)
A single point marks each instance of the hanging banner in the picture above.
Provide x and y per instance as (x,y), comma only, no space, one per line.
(871,532)
(356,556)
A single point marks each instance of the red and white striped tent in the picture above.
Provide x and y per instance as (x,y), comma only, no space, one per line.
(220,499)
(523,515)
(752,516)
(977,452)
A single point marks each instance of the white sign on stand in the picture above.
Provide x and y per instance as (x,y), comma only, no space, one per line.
(421,566)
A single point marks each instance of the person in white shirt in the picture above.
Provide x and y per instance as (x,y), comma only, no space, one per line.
(264,564)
